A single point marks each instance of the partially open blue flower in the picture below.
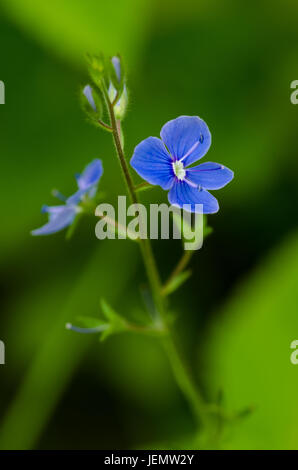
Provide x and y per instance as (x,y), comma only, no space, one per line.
(62,216)
(165,162)
(87,182)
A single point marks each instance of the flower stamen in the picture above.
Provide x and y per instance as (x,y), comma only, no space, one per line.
(191,150)
(190,183)
(179,170)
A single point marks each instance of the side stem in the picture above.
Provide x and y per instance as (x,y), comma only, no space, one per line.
(181,265)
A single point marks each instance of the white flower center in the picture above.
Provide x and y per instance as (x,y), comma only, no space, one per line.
(178,169)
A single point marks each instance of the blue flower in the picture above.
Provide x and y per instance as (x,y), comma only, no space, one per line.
(165,162)
(62,216)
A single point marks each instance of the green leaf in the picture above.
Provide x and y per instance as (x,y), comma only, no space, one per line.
(72,228)
(207,230)
(248,352)
(110,314)
(176,282)
(143,187)
(111,324)
(116,322)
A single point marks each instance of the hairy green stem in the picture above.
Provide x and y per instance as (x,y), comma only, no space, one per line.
(181,373)
(105,126)
(142,187)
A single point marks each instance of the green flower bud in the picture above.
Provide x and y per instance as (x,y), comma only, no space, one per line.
(97,68)
(121,105)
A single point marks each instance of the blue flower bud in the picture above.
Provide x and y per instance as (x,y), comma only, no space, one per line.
(116,73)
(117,66)
(87,91)
(91,103)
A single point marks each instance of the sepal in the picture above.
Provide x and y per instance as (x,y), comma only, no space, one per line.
(97,68)
(120,106)
(116,323)
(176,282)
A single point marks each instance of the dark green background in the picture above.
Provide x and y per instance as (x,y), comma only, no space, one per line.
(229,62)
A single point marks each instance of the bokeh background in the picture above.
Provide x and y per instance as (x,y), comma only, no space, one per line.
(232,64)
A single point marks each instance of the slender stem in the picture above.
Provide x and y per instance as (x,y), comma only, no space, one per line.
(183,262)
(116,98)
(181,373)
(185,382)
(117,142)
(104,125)
(142,186)
(145,245)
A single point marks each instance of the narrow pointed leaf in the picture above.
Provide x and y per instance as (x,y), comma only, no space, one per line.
(117,323)
(176,282)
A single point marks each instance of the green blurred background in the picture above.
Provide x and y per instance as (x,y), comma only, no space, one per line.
(230,63)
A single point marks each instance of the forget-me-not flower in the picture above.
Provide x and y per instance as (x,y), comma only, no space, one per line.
(62,216)
(166,162)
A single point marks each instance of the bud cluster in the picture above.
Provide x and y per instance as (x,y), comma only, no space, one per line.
(107,83)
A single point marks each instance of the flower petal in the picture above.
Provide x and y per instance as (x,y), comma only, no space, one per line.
(87,182)
(210,175)
(59,218)
(184,194)
(91,175)
(186,137)
(76,198)
(153,163)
